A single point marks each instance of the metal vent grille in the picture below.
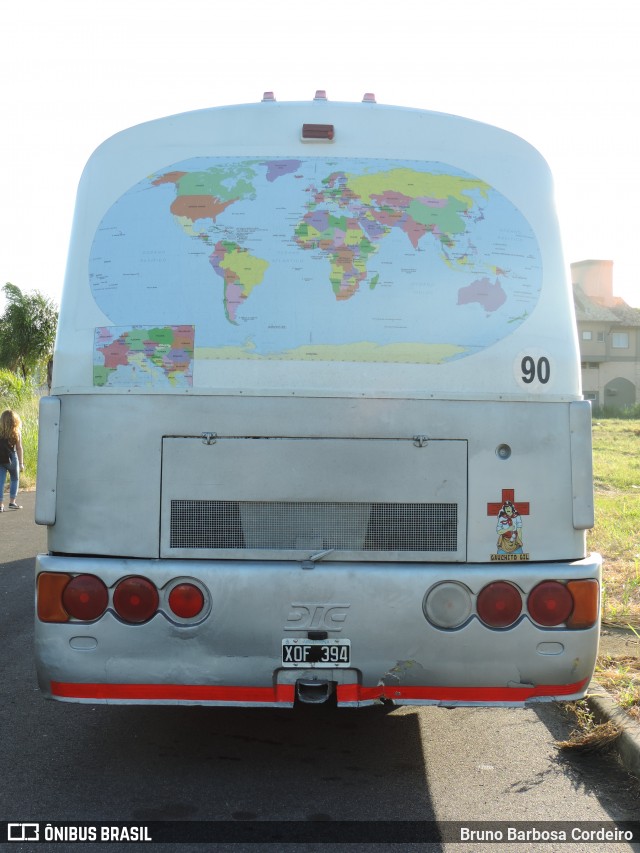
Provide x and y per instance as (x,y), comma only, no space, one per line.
(283,525)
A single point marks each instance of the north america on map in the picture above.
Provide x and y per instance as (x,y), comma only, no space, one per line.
(326,259)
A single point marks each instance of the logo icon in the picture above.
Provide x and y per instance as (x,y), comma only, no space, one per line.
(316,617)
(23,832)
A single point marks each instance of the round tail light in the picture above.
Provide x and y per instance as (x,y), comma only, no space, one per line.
(186,600)
(448,605)
(135,599)
(85,597)
(550,603)
(499,604)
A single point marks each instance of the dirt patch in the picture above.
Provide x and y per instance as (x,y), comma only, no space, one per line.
(619,642)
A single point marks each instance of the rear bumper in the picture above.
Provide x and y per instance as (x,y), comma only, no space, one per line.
(233,655)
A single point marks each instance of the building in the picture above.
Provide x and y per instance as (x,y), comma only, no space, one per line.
(609,335)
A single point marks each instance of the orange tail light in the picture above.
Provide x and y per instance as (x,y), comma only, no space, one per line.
(49,597)
(586,603)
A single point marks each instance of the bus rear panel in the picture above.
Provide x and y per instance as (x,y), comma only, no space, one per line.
(316,428)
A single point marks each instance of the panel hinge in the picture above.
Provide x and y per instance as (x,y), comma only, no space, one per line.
(420,440)
(209,437)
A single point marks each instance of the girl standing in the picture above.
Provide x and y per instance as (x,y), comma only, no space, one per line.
(12,462)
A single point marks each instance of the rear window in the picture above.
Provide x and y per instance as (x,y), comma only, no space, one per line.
(317,259)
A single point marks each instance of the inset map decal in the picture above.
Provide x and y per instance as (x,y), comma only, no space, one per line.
(143,356)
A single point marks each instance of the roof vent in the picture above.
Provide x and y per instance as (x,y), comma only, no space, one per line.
(320,95)
(268,96)
(369,98)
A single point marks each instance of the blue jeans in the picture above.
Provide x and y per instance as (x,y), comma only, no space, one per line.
(13,469)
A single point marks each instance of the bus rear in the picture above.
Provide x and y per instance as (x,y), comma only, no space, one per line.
(316,428)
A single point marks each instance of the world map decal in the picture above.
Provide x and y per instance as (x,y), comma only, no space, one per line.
(322,259)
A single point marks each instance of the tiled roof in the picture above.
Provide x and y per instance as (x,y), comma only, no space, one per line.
(586,310)
(627,315)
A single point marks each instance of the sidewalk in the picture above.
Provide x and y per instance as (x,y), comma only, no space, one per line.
(628,743)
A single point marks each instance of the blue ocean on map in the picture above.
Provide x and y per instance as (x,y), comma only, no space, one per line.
(272,257)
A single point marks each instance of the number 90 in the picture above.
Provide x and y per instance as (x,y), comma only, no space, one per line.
(532,370)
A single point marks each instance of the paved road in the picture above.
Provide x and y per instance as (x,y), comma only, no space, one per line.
(84,762)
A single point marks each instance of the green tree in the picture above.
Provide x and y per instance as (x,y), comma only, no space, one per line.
(27,331)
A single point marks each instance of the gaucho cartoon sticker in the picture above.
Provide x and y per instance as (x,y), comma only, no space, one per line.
(509,526)
(509,530)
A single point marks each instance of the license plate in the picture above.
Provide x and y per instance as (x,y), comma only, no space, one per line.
(316,653)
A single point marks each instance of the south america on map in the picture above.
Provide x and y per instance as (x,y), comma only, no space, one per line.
(323,259)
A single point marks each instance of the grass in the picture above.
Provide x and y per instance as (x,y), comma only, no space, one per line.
(616,535)
(620,676)
(27,408)
(587,734)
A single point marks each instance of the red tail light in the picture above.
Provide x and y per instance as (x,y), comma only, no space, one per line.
(135,600)
(499,604)
(186,600)
(550,603)
(85,597)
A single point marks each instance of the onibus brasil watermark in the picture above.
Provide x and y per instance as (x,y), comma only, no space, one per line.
(325,831)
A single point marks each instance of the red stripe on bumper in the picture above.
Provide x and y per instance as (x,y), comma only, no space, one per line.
(354,693)
(285,693)
(174,692)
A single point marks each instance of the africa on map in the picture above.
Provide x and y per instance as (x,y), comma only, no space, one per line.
(323,259)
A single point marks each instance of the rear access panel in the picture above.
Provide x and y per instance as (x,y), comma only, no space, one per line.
(296,498)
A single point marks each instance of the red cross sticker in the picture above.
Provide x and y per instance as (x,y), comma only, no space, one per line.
(522,507)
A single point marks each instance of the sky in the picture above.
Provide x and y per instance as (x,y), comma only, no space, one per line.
(562,74)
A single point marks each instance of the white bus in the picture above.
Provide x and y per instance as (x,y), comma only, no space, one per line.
(316,429)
